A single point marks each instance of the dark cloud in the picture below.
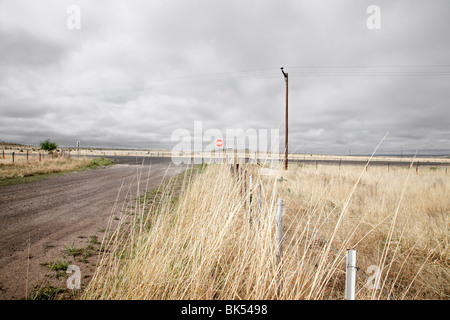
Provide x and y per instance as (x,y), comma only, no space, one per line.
(136,71)
(21,49)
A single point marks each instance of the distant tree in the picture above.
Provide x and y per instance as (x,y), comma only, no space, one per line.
(49,146)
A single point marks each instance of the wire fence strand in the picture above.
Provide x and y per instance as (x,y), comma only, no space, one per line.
(332,247)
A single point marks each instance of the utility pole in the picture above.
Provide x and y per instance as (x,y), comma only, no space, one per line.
(286,123)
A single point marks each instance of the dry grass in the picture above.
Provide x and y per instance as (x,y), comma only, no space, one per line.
(203,246)
(23,168)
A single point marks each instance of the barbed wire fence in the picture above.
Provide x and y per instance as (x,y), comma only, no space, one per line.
(351,266)
(339,253)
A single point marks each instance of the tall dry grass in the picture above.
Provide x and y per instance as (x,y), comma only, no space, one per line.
(24,168)
(194,240)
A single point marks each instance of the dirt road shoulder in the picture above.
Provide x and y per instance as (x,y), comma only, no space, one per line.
(46,225)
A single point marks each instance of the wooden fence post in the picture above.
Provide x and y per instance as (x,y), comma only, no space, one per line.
(350,275)
(13,157)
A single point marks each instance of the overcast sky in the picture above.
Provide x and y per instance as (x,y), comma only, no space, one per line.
(136,71)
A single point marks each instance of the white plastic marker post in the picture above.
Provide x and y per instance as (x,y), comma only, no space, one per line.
(350,275)
(279,228)
(250,185)
(259,204)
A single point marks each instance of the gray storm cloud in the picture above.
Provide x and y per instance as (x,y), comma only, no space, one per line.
(138,70)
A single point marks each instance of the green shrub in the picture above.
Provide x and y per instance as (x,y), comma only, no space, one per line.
(47,145)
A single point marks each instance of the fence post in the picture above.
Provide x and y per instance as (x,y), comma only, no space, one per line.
(350,275)
(250,185)
(279,229)
(259,204)
(3,154)
(245,189)
(27,155)
(13,157)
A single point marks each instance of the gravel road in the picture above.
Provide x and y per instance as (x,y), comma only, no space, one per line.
(38,219)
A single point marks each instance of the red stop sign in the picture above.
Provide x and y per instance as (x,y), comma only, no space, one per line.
(219,143)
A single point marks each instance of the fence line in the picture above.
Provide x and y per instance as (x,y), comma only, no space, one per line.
(338,252)
(280,239)
(279,232)
(241,178)
(301,263)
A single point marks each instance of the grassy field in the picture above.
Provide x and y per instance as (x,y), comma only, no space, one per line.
(198,236)
(33,169)
(222,154)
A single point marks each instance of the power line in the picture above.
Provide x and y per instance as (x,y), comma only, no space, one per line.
(201,79)
(243,75)
(371,66)
(369,74)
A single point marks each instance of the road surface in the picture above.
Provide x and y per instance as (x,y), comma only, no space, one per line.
(39,219)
